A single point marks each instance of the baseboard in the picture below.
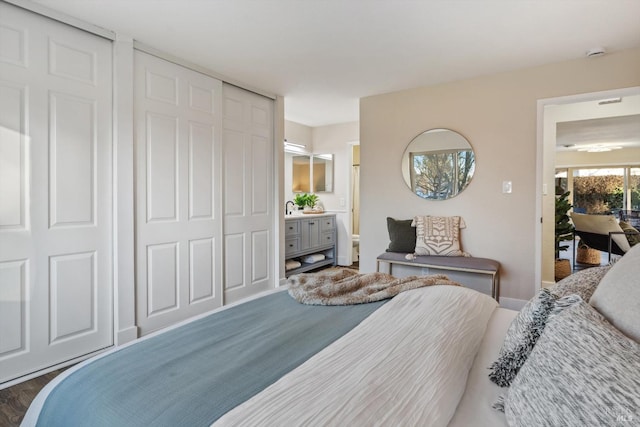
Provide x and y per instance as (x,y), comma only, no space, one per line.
(547,284)
(512,303)
(342,260)
(125,335)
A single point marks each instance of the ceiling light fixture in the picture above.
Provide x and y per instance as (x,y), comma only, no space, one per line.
(610,101)
(291,144)
(596,51)
(599,148)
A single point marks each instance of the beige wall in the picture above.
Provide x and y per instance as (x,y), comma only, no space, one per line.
(498,115)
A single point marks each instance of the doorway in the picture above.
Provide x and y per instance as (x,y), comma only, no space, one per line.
(355,202)
(580,115)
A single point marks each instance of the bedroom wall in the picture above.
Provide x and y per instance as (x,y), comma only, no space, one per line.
(498,115)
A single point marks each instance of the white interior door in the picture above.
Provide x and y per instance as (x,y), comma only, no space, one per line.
(55,193)
(178,208)
(248,193)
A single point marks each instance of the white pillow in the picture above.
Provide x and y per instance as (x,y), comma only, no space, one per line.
(601,224)
(617,297)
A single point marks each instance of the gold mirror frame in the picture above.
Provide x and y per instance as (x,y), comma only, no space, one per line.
(438,164)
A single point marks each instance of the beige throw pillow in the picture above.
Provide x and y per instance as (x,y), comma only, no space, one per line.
(438,235)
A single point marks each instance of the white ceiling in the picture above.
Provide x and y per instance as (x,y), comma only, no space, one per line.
(323,55)
(621,131)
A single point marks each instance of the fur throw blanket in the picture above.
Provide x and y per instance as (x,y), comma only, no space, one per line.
(344,286)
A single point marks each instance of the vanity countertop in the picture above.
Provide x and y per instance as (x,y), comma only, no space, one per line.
(301,215)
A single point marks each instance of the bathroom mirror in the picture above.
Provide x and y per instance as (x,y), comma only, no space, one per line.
(316,169)
(301,174)
(322,173)
(438,164)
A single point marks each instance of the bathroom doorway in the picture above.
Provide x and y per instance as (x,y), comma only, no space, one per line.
(355,202)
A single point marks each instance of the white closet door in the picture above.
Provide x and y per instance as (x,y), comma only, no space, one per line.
(248,192)
(55,193)
(178,220)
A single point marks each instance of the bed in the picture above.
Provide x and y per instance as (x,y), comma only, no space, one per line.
(420,358)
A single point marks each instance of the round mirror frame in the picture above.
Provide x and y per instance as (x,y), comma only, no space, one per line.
(443,164)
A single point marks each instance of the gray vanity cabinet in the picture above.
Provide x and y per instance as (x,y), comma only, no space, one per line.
(310,235)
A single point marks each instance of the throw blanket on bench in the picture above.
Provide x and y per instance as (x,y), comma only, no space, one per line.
(344,286)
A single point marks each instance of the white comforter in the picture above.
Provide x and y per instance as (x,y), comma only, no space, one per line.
(406,364)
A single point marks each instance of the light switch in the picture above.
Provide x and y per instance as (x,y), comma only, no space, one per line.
(506,187)
(342,201)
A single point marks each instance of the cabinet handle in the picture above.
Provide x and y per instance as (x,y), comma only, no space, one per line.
(290,245)
(312,223)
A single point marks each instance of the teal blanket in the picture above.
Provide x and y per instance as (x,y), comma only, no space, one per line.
(192,375)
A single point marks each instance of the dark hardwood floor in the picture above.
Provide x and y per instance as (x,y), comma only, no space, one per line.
(15,400)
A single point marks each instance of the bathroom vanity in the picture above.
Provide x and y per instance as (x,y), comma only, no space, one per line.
(307,235)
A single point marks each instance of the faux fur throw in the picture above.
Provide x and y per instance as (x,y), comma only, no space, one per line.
(344,286)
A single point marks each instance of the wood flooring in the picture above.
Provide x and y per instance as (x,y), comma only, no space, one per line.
(15,400)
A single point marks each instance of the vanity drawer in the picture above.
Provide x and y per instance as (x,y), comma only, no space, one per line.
(291,245)
(291,228)
(327,224)
(327,238)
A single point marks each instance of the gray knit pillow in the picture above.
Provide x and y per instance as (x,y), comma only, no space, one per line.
(583,283)
(582,372)
(521,337)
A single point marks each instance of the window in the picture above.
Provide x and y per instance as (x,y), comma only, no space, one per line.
(601,190)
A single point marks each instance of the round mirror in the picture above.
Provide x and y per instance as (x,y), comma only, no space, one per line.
(438,164)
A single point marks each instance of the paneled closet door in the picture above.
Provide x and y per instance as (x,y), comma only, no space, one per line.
(178,223)
(248,193)
(55,193)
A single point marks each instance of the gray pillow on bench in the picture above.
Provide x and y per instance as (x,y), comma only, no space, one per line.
(402,235)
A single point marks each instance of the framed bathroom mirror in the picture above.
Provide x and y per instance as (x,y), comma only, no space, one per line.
(311,173)
(438,164)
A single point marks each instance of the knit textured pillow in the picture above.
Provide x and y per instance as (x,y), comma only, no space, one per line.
(582,372)
(521,337)
(583,282)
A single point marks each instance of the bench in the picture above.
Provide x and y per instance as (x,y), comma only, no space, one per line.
(451,263)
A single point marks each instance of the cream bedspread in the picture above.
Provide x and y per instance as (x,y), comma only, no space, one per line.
(406,364)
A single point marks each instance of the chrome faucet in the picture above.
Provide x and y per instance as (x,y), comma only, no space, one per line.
(286,207)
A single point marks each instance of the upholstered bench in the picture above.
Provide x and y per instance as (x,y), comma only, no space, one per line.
(451,263)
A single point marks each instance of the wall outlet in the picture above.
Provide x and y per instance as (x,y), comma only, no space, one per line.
(507,187)
(342,201)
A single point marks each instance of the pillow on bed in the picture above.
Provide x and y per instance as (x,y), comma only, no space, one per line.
(402,235)
(583,371)
(438,235)
(521,337)
(583,283)
(617,297)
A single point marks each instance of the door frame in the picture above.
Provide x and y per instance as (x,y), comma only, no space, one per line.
(544,148)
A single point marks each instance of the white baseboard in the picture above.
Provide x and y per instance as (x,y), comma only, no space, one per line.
(125,335)
(512,303)
(547,284)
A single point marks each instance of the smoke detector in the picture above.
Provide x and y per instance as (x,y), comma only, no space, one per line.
(596,51)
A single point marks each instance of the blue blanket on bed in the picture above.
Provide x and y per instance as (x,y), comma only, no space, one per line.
(192,375)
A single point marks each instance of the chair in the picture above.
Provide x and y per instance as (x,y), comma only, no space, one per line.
(631,217)
(601,232)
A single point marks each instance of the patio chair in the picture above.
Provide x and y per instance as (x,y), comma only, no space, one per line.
(601,232)
(631,217)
